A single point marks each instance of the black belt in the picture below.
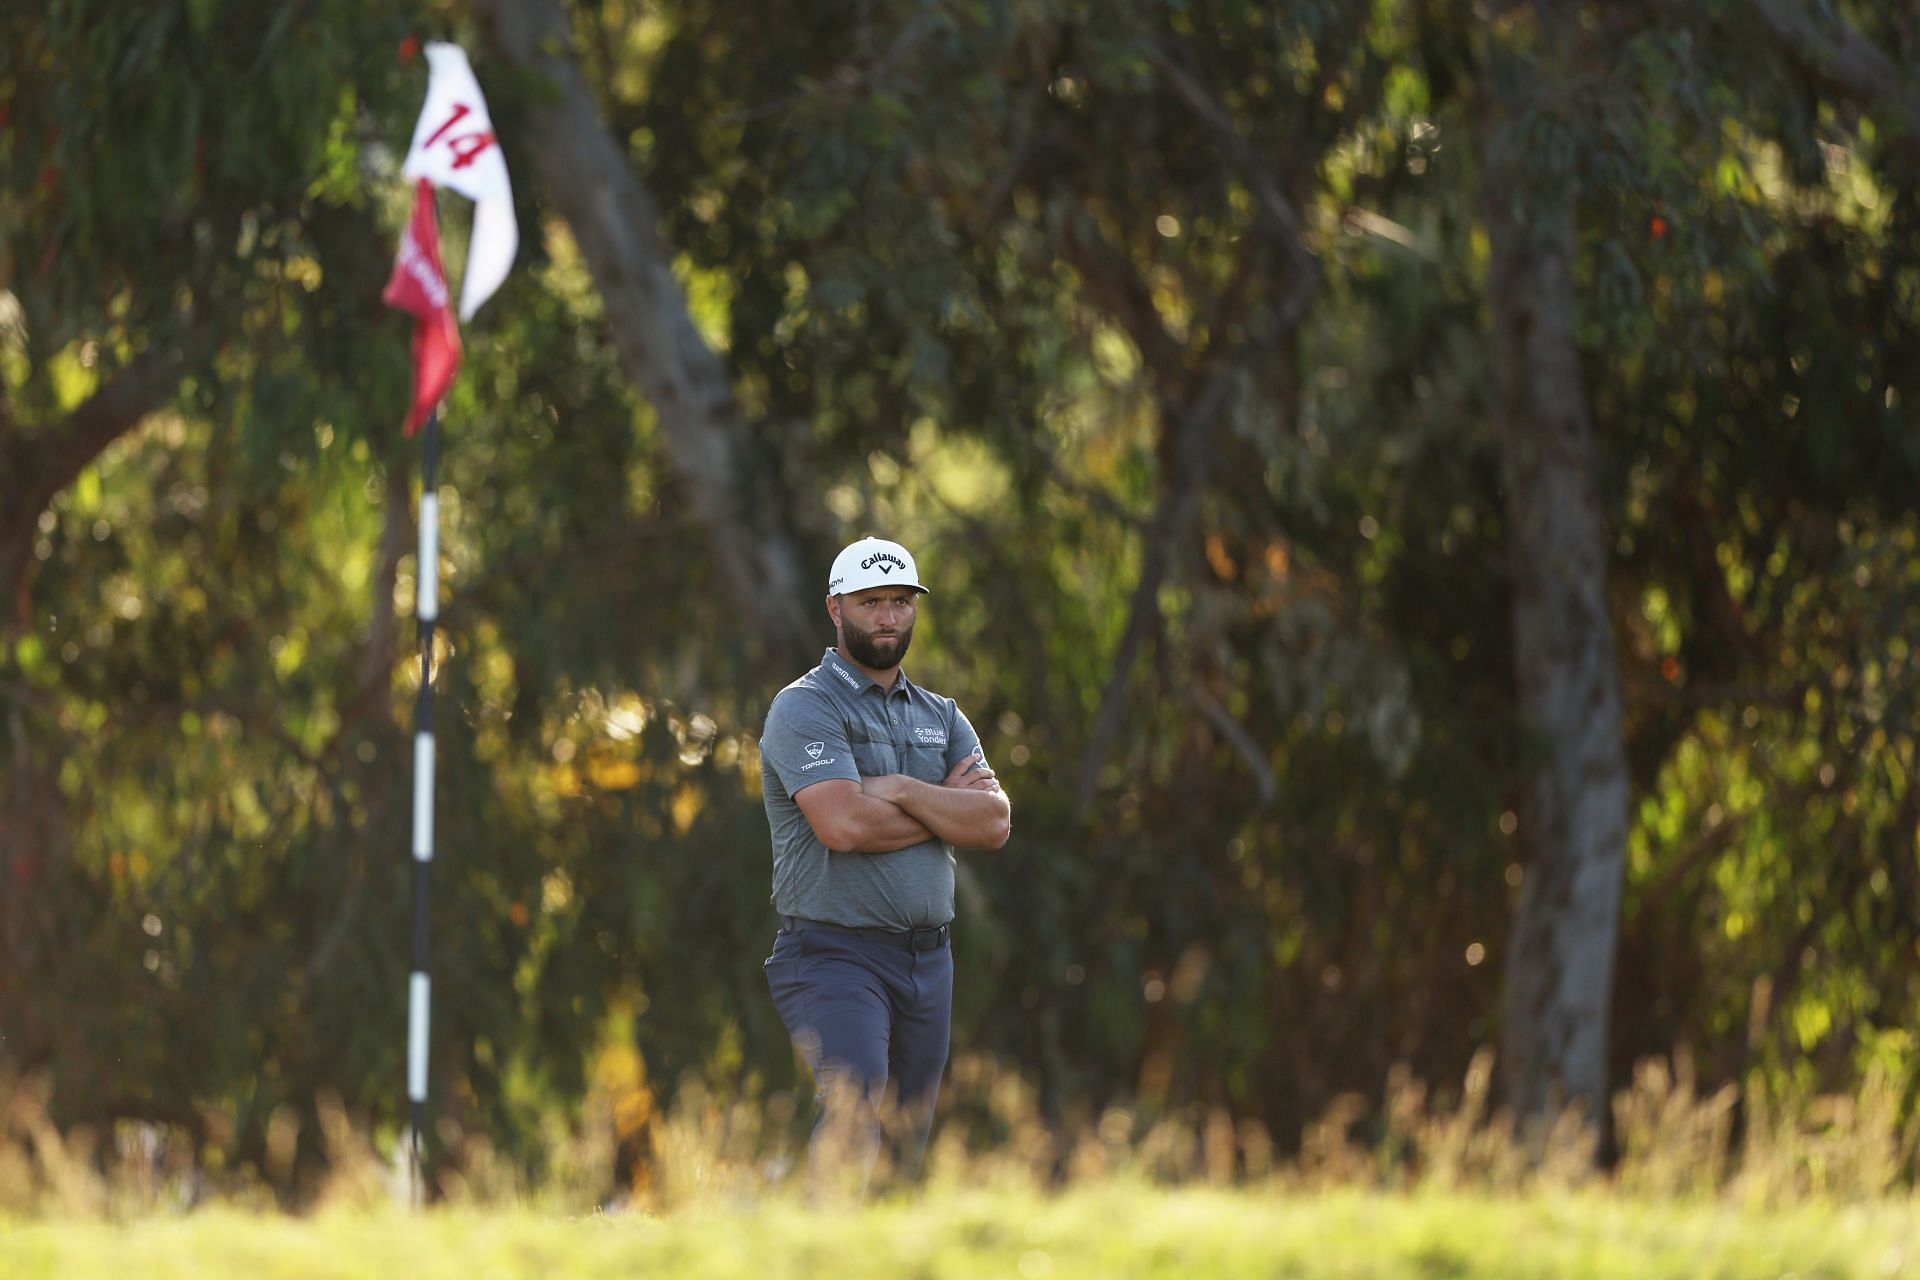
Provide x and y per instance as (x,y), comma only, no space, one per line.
(931,938)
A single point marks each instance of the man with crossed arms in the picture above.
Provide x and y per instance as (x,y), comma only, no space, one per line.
(869,782)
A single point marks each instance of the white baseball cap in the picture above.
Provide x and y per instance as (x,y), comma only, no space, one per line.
(873,562)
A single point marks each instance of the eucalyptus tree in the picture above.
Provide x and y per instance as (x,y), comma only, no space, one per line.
(1573,809)
(1761,483)
(1657,183)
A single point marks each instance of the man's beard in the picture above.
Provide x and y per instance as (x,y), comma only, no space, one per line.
(861,646)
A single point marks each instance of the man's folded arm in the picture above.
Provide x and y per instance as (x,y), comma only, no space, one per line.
(849,820)
(973,817)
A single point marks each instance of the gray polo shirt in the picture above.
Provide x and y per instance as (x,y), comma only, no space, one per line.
(836,722)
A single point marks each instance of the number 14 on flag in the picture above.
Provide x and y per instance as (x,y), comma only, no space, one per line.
(454,147)
(465,147)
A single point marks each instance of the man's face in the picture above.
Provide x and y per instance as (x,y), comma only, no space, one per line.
(876,625)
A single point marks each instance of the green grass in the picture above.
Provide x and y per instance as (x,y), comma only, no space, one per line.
(1114,1229)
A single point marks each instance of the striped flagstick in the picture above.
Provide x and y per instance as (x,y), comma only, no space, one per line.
(454,147)
(419,985)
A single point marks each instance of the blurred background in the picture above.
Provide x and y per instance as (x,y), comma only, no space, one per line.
(1419,497)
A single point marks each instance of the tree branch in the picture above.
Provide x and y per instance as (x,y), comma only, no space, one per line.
(1242,743)
(1302,272)
(40,465)
(1845,63)
(1188,432)
(1119,291)
(616,223)
(1178,510)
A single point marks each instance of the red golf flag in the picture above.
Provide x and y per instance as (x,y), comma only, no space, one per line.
(418,286)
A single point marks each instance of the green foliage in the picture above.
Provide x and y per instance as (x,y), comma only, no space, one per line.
(975,271)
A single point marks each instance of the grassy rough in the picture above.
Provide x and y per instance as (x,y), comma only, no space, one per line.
(1115,1229)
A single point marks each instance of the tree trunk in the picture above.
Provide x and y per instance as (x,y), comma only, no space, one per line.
(1574,793)
(587,175)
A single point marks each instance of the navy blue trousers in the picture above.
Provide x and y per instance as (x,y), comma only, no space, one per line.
(874,1022)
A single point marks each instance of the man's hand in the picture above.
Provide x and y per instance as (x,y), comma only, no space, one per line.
(973,771)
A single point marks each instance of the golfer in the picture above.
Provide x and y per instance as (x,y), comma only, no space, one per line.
(870,782)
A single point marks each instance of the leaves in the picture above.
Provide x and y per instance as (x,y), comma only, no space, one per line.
(980,278)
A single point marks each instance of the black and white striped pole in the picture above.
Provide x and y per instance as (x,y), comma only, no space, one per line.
(419,985)
(453,147)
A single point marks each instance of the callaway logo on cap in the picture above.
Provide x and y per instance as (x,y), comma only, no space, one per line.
(873,562)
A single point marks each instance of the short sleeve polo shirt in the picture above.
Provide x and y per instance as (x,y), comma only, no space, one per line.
(837,722)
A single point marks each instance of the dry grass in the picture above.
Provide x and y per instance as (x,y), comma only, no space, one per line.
(1702,1187)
